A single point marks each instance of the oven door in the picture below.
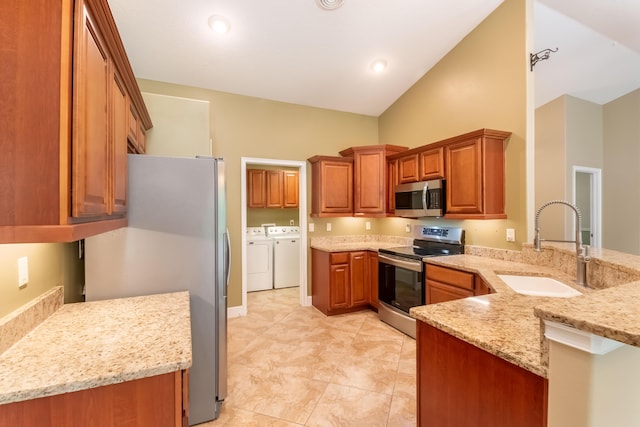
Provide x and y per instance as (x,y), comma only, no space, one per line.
(400,282)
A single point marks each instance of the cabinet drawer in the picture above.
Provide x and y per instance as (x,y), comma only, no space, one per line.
(449,276)
(339,258)
(440,292)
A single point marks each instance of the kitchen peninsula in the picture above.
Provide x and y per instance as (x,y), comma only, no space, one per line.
(100,363)
(499,339)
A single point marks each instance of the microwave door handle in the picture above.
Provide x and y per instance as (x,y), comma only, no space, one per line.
(425,191)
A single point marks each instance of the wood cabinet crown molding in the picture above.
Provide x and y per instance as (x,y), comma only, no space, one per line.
(107,26)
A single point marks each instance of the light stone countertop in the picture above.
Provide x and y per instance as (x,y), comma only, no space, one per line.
(612,313)
(92,344)
(358,243)
(508,325)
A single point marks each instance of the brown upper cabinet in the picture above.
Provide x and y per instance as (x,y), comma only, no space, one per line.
(370,178)
(331,186)
(473,166)
(474,173)
(272,188)
(65,120)
(421,164)
(431,163)
(290,189)
(408,169)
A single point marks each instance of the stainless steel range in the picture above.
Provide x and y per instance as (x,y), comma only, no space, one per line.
(401,273)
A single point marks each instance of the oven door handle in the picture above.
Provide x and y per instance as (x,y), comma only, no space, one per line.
(409,265)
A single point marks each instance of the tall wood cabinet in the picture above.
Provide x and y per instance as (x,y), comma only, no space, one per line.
(475,174)
(64,110)
(370,178)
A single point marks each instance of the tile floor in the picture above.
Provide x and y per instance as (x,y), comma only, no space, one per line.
(293,366)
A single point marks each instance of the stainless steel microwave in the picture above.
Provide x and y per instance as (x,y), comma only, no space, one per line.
(420,199)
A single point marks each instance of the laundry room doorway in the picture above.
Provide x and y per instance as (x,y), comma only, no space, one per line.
(288,214)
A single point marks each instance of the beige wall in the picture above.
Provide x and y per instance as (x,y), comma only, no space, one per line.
(550,165)
(251,127)
(481,83)
(568,134)
(589,390)
(621,174)
(50,265)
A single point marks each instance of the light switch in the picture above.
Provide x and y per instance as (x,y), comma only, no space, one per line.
(23,271)
(328,226)
(312,227)
(367,225)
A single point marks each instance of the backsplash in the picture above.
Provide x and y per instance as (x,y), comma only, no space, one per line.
(17,324)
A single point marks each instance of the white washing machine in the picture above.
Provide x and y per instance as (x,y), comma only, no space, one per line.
(286,256)
(259,260)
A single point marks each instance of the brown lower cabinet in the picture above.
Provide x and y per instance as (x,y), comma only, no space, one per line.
(342,282)
(447,284)
(158,401)
(462,385)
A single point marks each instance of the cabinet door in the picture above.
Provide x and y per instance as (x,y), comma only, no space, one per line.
(256,194)
(408,169)
(90,157)
(369,183)
(119,113)
(432,164)
(339,283)
(372,258)
(359,279)
(464,177)
(274,188)
(290,190)
(335,179)
(441,292)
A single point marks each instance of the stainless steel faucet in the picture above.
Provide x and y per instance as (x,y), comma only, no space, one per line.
(582,251)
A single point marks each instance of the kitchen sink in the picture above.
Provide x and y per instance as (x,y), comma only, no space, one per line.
(540,286)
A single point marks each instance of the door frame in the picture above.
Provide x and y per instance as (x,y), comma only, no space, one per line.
(595,181)
(305,300)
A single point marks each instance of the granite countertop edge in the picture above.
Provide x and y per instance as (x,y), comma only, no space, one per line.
(114,341)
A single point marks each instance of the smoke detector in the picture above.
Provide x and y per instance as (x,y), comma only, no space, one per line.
(329,4)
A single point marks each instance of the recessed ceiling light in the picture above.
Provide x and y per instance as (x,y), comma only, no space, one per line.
(379,65)
(219,24)
(329,4)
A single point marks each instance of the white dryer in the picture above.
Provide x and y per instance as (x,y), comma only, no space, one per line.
(286,256)
(259,260)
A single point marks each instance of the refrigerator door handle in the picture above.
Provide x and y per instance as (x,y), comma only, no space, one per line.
(227,257)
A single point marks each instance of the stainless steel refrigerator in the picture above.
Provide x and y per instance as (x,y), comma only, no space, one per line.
(177,240)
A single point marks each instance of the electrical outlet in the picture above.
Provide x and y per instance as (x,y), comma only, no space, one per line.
(511,235)
(328,226)
(367,225)
(312,227)
(407,228)
(23,271)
